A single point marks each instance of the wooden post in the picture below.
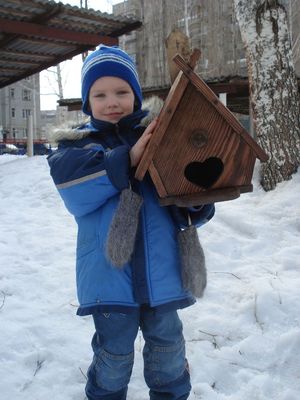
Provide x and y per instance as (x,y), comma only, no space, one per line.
(177,43)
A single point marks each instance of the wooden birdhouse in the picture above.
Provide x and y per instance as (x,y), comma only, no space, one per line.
(199,152)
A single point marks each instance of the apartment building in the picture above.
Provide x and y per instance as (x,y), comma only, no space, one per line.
(17,102)
(211,27)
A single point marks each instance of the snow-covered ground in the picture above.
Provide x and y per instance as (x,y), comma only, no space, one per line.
(243,337)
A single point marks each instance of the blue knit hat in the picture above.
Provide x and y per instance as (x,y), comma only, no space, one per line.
(108,61)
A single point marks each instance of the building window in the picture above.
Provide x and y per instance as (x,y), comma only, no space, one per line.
(13,112)
(26,95)
(14,133)
(12,93)
(26,113)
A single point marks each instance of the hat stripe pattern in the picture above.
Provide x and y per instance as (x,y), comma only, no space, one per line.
(107,58)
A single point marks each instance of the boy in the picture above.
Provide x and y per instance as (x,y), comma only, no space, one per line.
(128,263)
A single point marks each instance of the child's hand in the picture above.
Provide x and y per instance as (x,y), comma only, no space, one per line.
(138,149)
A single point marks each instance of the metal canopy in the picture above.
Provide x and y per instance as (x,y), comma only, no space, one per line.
(37,34)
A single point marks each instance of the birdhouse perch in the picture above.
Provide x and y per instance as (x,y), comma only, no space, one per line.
(199,153)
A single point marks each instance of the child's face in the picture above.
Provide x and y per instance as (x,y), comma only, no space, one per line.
(111,99)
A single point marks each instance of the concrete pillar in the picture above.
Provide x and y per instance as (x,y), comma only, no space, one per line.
(30,135)
(223,98)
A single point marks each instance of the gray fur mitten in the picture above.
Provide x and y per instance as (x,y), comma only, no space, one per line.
(123,229)
(193,268)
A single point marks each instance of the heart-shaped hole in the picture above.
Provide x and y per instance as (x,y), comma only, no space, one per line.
(204,173)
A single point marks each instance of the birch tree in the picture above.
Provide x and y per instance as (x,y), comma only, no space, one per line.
(273,86)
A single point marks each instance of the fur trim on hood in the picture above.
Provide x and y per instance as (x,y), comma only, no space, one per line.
(70,132)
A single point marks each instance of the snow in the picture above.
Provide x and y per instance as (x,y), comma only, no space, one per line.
(243,337)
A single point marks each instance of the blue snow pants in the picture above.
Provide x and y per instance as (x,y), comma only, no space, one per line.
(165,366)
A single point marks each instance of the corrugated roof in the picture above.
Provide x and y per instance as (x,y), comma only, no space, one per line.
(37,34)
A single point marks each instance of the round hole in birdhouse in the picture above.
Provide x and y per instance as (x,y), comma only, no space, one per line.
(199,138)
(205,173)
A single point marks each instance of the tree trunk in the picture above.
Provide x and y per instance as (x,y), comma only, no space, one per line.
(273,86)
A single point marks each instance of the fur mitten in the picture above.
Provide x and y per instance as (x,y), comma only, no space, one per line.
(123,229)
(192,261)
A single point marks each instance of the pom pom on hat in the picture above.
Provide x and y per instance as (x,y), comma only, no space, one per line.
(108,61)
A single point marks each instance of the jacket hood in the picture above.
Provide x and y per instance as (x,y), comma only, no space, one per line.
(152,106)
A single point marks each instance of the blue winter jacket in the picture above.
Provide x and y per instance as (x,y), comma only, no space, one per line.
(90,168)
